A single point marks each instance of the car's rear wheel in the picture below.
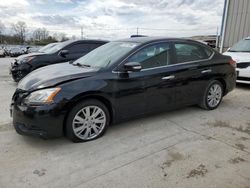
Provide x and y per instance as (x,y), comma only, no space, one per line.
(87,121)
(212,96)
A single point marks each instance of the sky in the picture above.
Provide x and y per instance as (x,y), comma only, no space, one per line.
(113,19)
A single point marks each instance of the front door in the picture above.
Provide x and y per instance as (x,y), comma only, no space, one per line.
(157,79)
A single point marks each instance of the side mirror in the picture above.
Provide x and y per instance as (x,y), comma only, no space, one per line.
(132,67)
(63,53)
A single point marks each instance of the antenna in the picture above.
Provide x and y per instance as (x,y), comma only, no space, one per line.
(81,32)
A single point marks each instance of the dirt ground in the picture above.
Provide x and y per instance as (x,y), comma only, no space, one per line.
(189,147)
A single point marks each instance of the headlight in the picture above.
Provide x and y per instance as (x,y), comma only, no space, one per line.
(26,59)
(44,96)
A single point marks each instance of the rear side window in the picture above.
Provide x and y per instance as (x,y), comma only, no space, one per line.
(79,48)
(191,52)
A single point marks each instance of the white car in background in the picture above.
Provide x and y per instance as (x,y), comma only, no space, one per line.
(2,53)
(240,52)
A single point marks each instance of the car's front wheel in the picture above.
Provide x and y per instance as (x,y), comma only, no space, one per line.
(87,121)
(212,96)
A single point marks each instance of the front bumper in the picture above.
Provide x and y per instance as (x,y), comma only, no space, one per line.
(42,121)
(243,75)
(18,71)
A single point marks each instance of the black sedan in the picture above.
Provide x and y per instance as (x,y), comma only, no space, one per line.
(56,53)
(117,81)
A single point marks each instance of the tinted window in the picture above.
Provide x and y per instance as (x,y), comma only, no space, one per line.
(152,56)
(191,52)
(78,48)
(94,46)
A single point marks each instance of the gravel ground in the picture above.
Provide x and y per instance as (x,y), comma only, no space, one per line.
(190,147)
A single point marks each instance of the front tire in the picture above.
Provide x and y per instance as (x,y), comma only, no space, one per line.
(87,121)
(212,96)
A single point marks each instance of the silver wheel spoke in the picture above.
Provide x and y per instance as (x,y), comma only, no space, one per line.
(87,111)
(79,128)
(86,134)
(79,119)
(95,129)
(99,121)
(96,112)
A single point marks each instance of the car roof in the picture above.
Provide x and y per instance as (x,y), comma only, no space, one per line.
(153,39)
(84,40)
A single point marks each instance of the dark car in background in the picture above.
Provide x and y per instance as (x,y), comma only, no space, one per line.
(61,52)
(16,51)
(117,81)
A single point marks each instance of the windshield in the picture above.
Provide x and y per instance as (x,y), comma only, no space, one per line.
(106,55)
(56,48)
(242,46)
(45,48)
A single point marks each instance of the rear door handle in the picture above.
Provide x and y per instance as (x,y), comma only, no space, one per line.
(168,77)
(206,71)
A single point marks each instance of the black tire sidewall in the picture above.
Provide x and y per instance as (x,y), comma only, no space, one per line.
(92,102)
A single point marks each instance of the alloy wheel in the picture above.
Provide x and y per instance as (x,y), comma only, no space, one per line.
(89,122)
(214,95)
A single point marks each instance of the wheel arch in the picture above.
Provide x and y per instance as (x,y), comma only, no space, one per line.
(83,97)
(224,85)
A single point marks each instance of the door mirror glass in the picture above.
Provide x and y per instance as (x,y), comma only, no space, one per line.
(63,53)
(133,66)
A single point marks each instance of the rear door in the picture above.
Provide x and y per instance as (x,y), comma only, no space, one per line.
(193,67)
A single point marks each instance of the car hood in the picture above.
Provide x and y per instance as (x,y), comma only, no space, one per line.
(53,75)
(239,56)
(29,55)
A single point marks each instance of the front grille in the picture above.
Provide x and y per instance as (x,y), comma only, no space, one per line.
(243,78)
(243,65)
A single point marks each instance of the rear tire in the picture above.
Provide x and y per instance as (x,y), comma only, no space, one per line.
(87,121)
(212,96)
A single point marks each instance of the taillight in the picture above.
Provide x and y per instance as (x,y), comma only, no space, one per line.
(232,62)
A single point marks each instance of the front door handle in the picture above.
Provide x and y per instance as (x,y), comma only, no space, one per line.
(168,77)
(206,71)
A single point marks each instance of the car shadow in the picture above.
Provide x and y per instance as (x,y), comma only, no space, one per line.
(114,132)
(121,129)
(243,86)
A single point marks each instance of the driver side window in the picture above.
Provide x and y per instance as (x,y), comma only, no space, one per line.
(78,48)
(152,56)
